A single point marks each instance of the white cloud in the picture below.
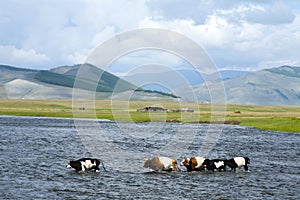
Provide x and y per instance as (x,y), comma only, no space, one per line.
(277,13)
(21,57)
(64,29)
(76,58)
(103,35)
(234,33)
(233,40)
(145,57)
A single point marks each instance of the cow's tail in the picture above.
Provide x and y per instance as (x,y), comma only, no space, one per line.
(103,166)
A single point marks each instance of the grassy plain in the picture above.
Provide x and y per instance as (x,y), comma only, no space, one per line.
(278,118)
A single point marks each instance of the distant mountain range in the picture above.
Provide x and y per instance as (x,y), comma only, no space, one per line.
(276,86)
(58,83)
(189,76)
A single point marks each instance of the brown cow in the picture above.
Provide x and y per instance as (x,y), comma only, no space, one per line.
(161,164)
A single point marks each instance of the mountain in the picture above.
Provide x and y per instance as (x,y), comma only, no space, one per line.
(88,75)
(276,86)
(194,78)
(227,74)
(58,83)
(188,77)
(9,73)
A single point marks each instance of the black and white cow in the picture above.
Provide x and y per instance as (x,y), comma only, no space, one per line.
(84,164)
(193,163)
(214,164)
(236,162)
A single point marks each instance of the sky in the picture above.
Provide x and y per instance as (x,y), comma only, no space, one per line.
(236,34)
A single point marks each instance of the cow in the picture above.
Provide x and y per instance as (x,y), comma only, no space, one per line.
(85,164)
(161,164)
(214,164)
(193,163)
(236,162)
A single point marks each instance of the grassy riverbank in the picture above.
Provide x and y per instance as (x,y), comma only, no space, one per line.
(278,118)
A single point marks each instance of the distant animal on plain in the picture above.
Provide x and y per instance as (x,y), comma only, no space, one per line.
(85,164)
(161,164)
(193,163)
(236,162)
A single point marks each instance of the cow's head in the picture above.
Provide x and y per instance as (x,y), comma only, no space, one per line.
(247,160)
(174,165)
(185,162)
(69,164)
(147,163)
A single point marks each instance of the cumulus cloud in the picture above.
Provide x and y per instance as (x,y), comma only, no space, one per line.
(23,58)
(63,30)
(146,57)
(277,13)
(76,58)
(237,34)
(233,38)
(197,10)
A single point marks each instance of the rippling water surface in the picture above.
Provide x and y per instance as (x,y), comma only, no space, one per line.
(34,153)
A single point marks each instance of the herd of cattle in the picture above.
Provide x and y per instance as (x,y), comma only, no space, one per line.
(169,164)
(196,164)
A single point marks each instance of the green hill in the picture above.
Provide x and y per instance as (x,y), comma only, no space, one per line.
(286,70)
(62,76)
(58,83)
(106,83)
(66,76)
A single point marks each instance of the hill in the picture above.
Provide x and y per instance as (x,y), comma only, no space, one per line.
(189,77)
(89,74)
(58,83)
(9,73)
(276,86)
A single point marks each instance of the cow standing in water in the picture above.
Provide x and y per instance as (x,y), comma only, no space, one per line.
(193,163)
(84,164)
(214,164)
(236,162)
(161,164)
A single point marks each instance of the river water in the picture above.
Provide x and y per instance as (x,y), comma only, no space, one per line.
(34,152)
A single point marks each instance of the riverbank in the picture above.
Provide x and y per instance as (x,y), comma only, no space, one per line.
(277,118)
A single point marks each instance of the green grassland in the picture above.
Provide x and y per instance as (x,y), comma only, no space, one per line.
(278,118)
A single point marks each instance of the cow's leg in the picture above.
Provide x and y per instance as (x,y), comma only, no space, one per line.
(93,168)
(246,167)
(77,169)
(103,167)
(97,169)
(82,168)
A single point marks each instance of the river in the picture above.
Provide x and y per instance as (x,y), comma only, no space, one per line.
(35,150)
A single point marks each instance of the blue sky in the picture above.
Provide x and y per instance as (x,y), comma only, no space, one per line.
(243,35)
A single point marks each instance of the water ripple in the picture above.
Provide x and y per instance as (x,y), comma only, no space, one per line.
(34,152)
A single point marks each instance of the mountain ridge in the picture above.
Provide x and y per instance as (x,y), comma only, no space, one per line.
(275,86)
(59,82)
